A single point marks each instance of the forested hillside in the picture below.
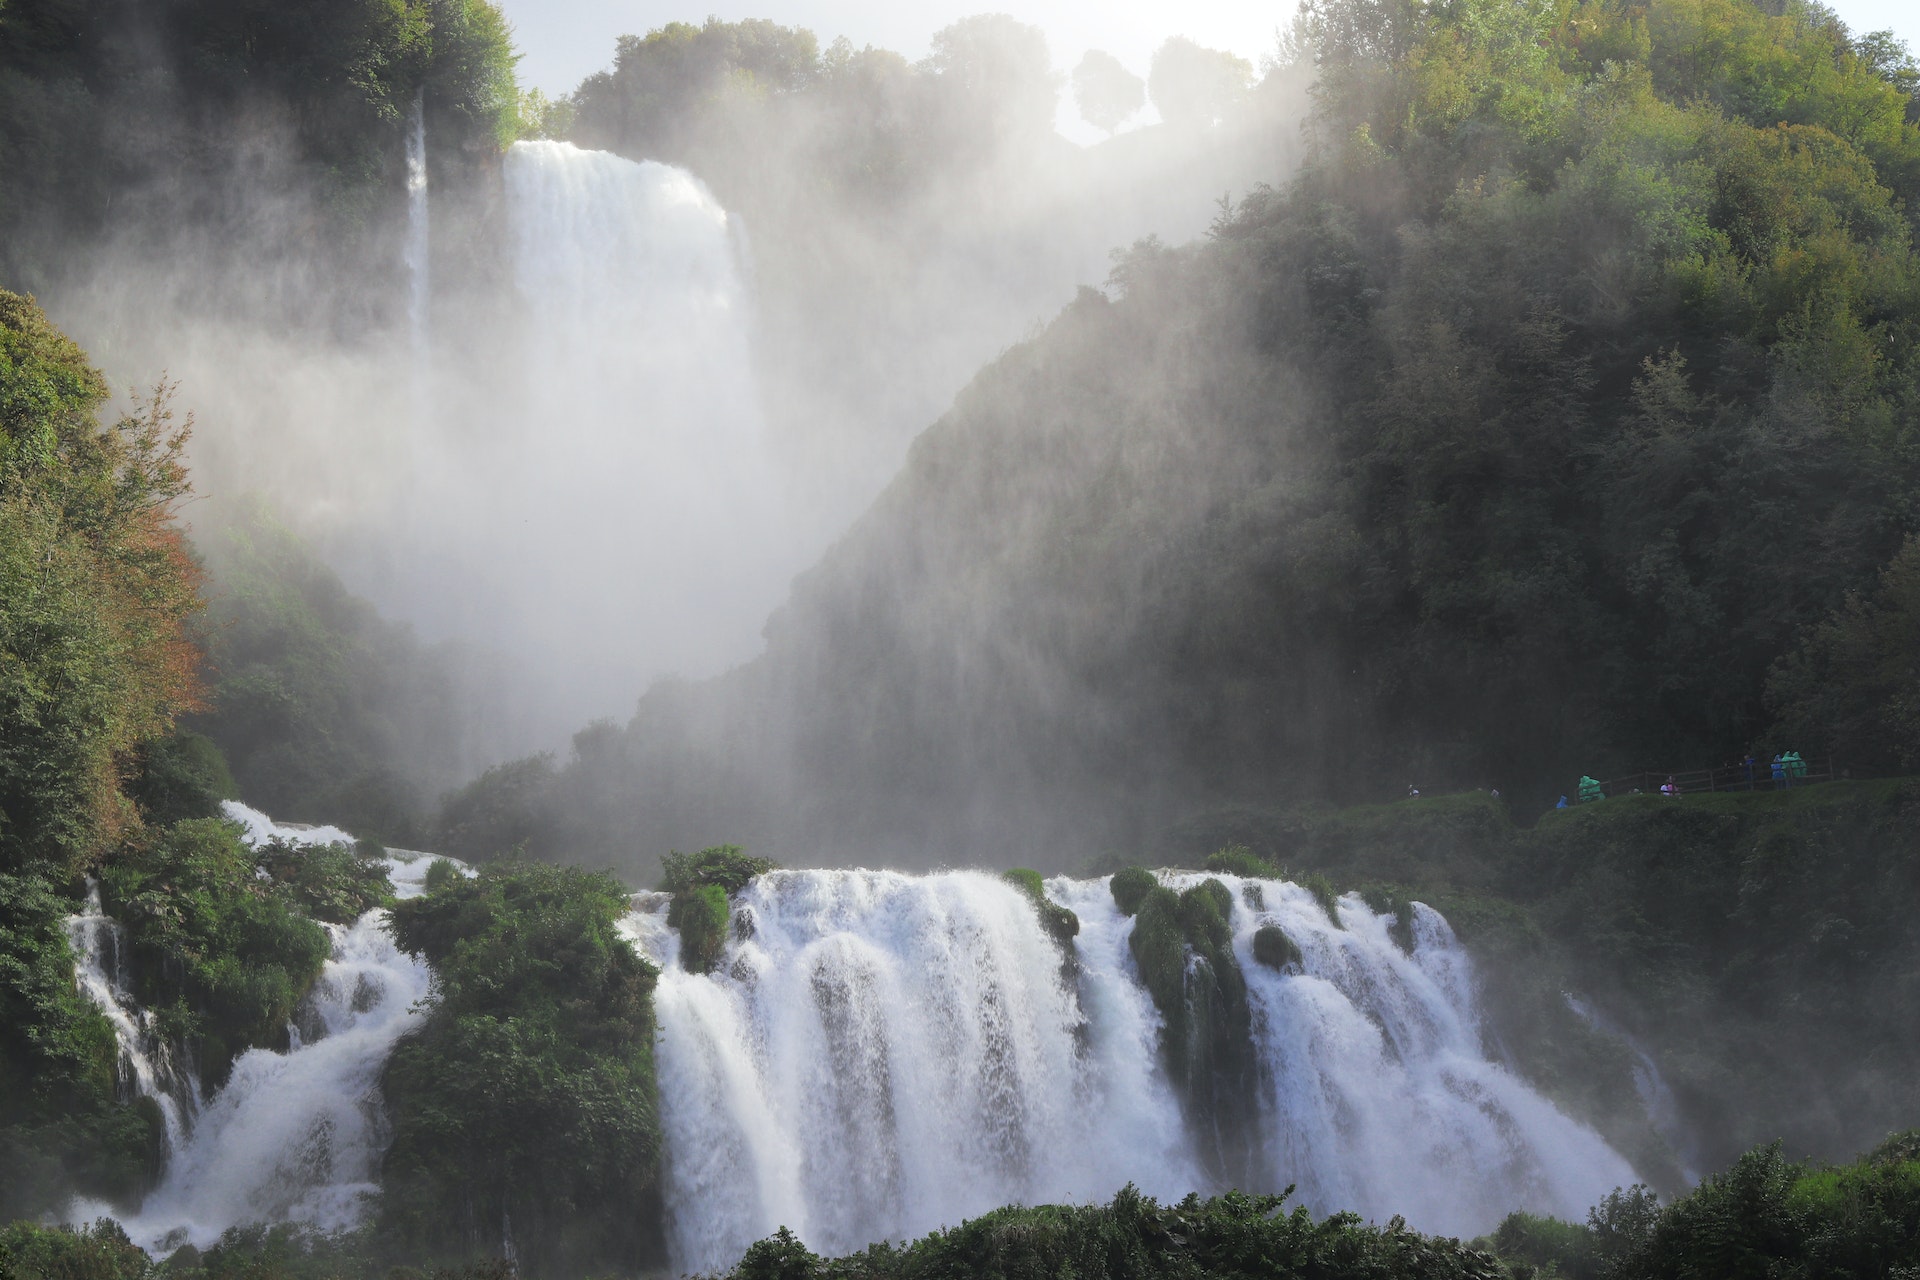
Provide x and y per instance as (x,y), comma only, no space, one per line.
(225,123)
(1558,417)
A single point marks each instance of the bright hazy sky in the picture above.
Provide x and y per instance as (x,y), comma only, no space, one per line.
(563,41)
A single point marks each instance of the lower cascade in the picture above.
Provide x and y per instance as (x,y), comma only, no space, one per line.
(291,1137)
(878,1054)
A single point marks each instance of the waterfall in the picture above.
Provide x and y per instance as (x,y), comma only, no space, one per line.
(419,278)
(1650,1084)
(600,496)
(146,1066)
(294,1136)
(878,1054)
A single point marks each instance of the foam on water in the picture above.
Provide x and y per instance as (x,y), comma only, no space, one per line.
(879,1054)
(290,1137)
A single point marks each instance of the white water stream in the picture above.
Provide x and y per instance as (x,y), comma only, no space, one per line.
(290,1137)
(593,490)
(880,1054)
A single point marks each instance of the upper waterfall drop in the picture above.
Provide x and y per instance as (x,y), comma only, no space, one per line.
(418,257)
(598,494)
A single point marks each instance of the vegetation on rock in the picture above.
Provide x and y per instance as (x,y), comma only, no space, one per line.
(524,1108)
(225,956)
(702,884)
(1061,924)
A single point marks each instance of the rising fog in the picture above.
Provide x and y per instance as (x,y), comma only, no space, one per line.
(641,391)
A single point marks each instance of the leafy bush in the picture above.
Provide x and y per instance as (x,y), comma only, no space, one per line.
(700,913)
(62,1128)
(233,952)
(1130,887)
(526,1101)
(726,866)
(1238,860)
(95,591)
(441,872)
(334,882)
(1135,1238)
(1273,948)
(182,775)
(99,1252)
(701,883)
(1061,924)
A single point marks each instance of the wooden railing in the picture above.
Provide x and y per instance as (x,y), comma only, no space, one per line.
(1732,777)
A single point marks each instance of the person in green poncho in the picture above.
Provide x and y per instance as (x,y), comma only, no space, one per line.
(1590,789)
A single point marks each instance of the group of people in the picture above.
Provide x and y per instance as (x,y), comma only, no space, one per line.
(1788,768)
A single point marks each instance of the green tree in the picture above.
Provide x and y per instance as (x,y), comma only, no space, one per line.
(1852,688)
(1107,94)
(1192,85)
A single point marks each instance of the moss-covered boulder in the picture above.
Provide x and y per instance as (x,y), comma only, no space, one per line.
(1182,944)
(1238,860)
(699,913)
(702,885)
(1274,949)
(1061,924)
(1130,887)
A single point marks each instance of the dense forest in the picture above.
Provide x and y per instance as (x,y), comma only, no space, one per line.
(267,130)
(1556,418)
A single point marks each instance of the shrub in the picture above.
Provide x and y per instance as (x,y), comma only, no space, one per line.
(205,932)
(700,913)
(1548,1245)
(99,1252)
(441,872)
(1273,948)
(181,776)
(1238,860)
(727,866)
(1060,924)
(62,1129)
(332,882)
(527,1097)
(1130,887)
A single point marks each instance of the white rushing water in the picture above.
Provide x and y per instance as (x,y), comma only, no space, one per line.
(880,1054)
(294,1136)
(419,278)
(146,1067)
(597,493)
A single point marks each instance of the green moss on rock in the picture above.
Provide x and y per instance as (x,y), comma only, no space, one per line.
(1130,887)
(700,914)
(1273,948)
(1183,946)
(1062,925)
(1238,860)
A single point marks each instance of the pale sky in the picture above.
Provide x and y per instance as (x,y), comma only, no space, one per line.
(563,41)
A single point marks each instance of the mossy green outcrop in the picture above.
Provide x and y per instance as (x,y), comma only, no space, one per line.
(702,885)
(1182,945)
(525,1105)
(1061,924)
